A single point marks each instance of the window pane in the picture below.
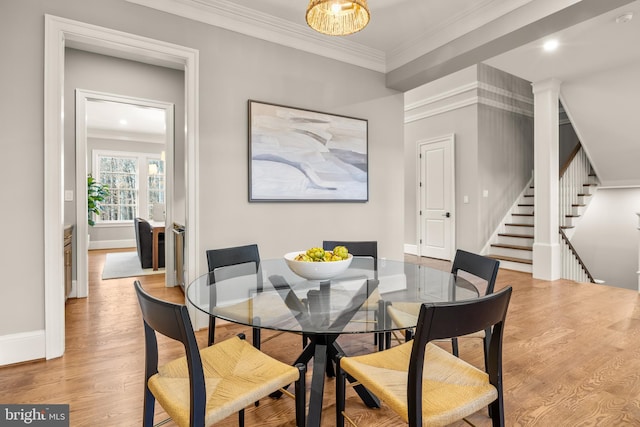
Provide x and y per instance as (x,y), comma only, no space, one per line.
(121,175)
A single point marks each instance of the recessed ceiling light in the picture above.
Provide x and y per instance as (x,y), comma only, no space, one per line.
(624,18)
(123,122)
(550,45)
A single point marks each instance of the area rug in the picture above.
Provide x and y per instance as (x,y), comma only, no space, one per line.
(125,264)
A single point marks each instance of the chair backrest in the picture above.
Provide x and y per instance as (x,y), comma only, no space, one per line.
(367,249)
(228,257)
(480,266)
(172,320)
(453,319)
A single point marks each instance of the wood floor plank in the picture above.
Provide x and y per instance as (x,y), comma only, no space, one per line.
(571,358)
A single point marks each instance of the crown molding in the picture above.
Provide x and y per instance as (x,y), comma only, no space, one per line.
(230,16)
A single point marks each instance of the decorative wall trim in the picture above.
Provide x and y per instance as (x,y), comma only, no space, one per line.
(478,98)
(410,249)
(240,19)
(22,346)
(505,107)
(444,95)
(444,109)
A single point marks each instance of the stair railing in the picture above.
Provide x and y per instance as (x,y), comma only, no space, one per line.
(572,266)
(573,176)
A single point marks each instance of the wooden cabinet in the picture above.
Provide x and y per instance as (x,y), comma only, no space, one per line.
(68,260)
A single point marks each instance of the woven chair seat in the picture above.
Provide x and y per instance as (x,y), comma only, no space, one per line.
(452,388)
(246,376)
(405,315)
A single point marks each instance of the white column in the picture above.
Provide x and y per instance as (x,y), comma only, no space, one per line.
(546,246)
(638,272)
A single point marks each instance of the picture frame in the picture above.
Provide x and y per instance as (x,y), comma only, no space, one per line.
(300,155)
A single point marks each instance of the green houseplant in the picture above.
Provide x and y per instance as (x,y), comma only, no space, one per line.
(96,193)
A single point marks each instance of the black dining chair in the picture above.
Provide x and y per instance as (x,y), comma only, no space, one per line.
(363,250)
(210,384)
(481,271)
(425,384)
(478,270)
(246,257)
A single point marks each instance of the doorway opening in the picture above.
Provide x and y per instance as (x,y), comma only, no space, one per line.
(127,144)
(59,34)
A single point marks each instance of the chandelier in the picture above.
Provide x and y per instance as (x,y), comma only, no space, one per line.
(338,17)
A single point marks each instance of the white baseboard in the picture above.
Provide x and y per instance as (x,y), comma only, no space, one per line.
(112,244)
(410,249)
(22,347)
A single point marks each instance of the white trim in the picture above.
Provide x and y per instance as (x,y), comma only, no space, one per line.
(61,32)
(443,95)
(410,249)
(23,346)
(506,107)
(441,110)
(230,16)
(476,98)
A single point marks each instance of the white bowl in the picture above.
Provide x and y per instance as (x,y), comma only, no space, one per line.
(316,270)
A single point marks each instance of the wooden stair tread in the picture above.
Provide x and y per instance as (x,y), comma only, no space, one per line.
(572,216)
(518,247)
(528,195)
(519,225)
(578,205)
(583,194)
(522,214)
(526,204)
(512,259)
(589,185)
(524,236)
(564,227)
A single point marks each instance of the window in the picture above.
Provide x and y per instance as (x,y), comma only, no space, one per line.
(136,181)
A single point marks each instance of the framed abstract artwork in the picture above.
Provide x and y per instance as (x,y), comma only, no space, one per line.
(298,155)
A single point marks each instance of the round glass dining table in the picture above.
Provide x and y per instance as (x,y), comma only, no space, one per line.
(354,302)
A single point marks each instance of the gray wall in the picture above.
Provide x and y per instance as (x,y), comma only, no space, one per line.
(607,236)
(505,146)
(100,73)
(493,147)
(233,68)
(567,141)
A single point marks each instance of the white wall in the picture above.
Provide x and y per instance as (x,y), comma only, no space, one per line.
(607,236)
(233,69)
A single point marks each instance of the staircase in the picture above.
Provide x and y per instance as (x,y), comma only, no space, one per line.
(513,243)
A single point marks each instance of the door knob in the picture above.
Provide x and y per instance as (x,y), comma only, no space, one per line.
(448,215)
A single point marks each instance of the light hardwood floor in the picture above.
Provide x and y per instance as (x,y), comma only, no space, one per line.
(571,358)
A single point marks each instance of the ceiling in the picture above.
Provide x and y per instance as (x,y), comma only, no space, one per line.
(122,121)
(418,41)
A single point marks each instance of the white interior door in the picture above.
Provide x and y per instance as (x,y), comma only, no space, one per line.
(437,199)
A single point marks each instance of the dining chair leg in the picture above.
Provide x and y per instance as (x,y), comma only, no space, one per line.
(341,379)
(149,407)
(212,330)
(300,390)
(454,347)
(241,418)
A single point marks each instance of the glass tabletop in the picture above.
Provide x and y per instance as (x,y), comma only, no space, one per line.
(353,302)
